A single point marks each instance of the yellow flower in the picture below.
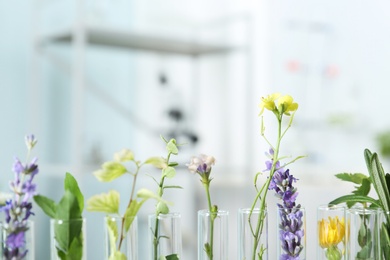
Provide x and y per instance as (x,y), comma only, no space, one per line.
(268,102)
(331,232)
(286,105)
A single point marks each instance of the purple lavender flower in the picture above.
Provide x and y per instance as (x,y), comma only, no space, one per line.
(17,210)
(291,225)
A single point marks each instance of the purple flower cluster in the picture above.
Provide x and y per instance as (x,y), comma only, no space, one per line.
(18,209)
(291,225)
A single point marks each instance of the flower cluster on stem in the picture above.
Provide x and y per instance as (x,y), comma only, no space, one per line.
(280,106)
(291,230)
(18,209)
(202,165)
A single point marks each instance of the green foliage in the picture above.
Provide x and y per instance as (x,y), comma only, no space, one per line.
(167,171)
(381,184)
(108,203)
(68,213)
(105,202)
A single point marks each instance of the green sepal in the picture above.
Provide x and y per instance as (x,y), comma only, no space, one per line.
(47,205)
(172,187)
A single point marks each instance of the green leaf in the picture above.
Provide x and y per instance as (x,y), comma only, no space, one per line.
(356,178)
(172,257)
(355,199)
(157,162)
(110,171)
(105,202)
(67,209)
(162,208)
(118,256)
(364,189)
(171,147)
(378,178)
(75,250)
(173,164)
(124,155)
(71,185)
(47,205)
(169,172)
(131,212)
(385,242)
(112,234)
(172,187)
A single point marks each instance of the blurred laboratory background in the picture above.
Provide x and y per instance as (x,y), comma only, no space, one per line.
(90,77)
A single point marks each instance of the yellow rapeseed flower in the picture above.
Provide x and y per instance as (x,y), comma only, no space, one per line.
(331,232)
(286,105)
(268,102)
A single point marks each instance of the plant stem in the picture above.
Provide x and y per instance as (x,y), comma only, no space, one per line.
(260,221)
(212,218)
(122,236)
(160,194)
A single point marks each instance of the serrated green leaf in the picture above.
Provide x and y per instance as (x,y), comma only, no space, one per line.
(364,189)
(356,178)
(110,171)
(157,162)
(70,183)
(124,155)
(105,202)
(355,199)
(169,172)
(47,205)
(171,147)
(65,231)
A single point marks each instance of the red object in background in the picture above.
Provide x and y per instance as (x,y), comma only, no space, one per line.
(332,71)
(294,66)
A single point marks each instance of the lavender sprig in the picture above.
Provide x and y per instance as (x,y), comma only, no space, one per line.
(18,209)
(291,230)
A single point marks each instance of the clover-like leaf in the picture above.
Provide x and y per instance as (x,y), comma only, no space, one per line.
(171,147)
(169,172)
(105,202)
(110,171)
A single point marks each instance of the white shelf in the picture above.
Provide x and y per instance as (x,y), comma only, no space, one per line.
(140,41)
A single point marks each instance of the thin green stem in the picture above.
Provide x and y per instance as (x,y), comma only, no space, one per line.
(122,236)
(262,194)
(212,218)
